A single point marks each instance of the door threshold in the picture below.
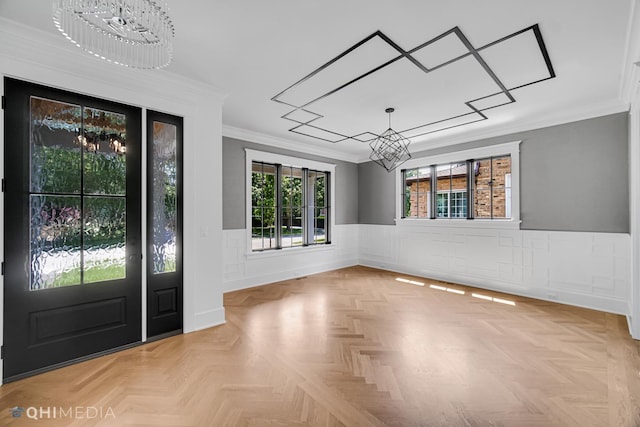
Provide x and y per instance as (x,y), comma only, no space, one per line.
(24,375)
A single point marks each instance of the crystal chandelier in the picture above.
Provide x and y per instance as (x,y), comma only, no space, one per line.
(390,149)
(133,33)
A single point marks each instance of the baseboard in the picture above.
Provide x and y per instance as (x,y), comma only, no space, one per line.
(604,304)
(208,319)
(298,271)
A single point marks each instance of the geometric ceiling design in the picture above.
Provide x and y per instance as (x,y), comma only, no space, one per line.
(465,80)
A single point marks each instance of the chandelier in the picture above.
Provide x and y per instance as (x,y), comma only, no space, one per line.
(133,33)
(390,149)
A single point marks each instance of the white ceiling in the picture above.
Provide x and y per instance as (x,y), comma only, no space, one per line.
(254,50)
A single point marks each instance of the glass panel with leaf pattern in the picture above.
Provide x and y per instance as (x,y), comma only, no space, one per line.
(76,152)
(164,194)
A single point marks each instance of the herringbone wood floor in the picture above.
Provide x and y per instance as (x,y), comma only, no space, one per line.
(355,347)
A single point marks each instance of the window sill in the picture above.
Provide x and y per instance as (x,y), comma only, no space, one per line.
(506,224)
(290,251)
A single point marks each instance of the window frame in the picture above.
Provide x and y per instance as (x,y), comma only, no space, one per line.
(295,162)
(510,148)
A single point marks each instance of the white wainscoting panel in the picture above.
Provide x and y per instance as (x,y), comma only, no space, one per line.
(584,269)
(243,270)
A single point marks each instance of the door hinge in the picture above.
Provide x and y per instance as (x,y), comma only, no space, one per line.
(4,102)
(1,352)
(2,272)
(3,185)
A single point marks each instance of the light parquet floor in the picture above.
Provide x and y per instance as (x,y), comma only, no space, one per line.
(355,347)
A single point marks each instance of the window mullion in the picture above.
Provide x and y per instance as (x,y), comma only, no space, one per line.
(82,200)
(278,207)
(449,212)
(305,207)
(434,192)
(327,206)
(491,187)
(470,176)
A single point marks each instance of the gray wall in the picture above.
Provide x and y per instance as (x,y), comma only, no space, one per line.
(573,177)
(233,184)
(376,194)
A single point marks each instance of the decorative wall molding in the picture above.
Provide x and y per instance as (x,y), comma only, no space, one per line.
(584,269)
(589,270)
(242,270)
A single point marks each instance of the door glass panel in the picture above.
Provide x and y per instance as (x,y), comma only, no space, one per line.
(103,141)
(55,153)
(104,238)
(165,214)
(55,241)
(76,153)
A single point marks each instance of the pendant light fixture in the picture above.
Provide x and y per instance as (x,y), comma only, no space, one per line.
(390,149)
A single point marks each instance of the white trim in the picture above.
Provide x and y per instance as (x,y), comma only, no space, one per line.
(461,155)
(208,319)
(289,251)
(460,223)
(439,140)
(267,157)
(297,162)
(629,79)
(634,215)
(260,138)
(509,148)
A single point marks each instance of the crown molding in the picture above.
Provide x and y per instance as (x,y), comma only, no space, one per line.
(261,138)
(34,54)
(603,109)
(631,61)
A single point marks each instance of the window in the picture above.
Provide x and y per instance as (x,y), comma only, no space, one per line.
(290,202)
(263,206)
(492,187)
(474,184)
(292,206)
(451,204)
(417,193)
